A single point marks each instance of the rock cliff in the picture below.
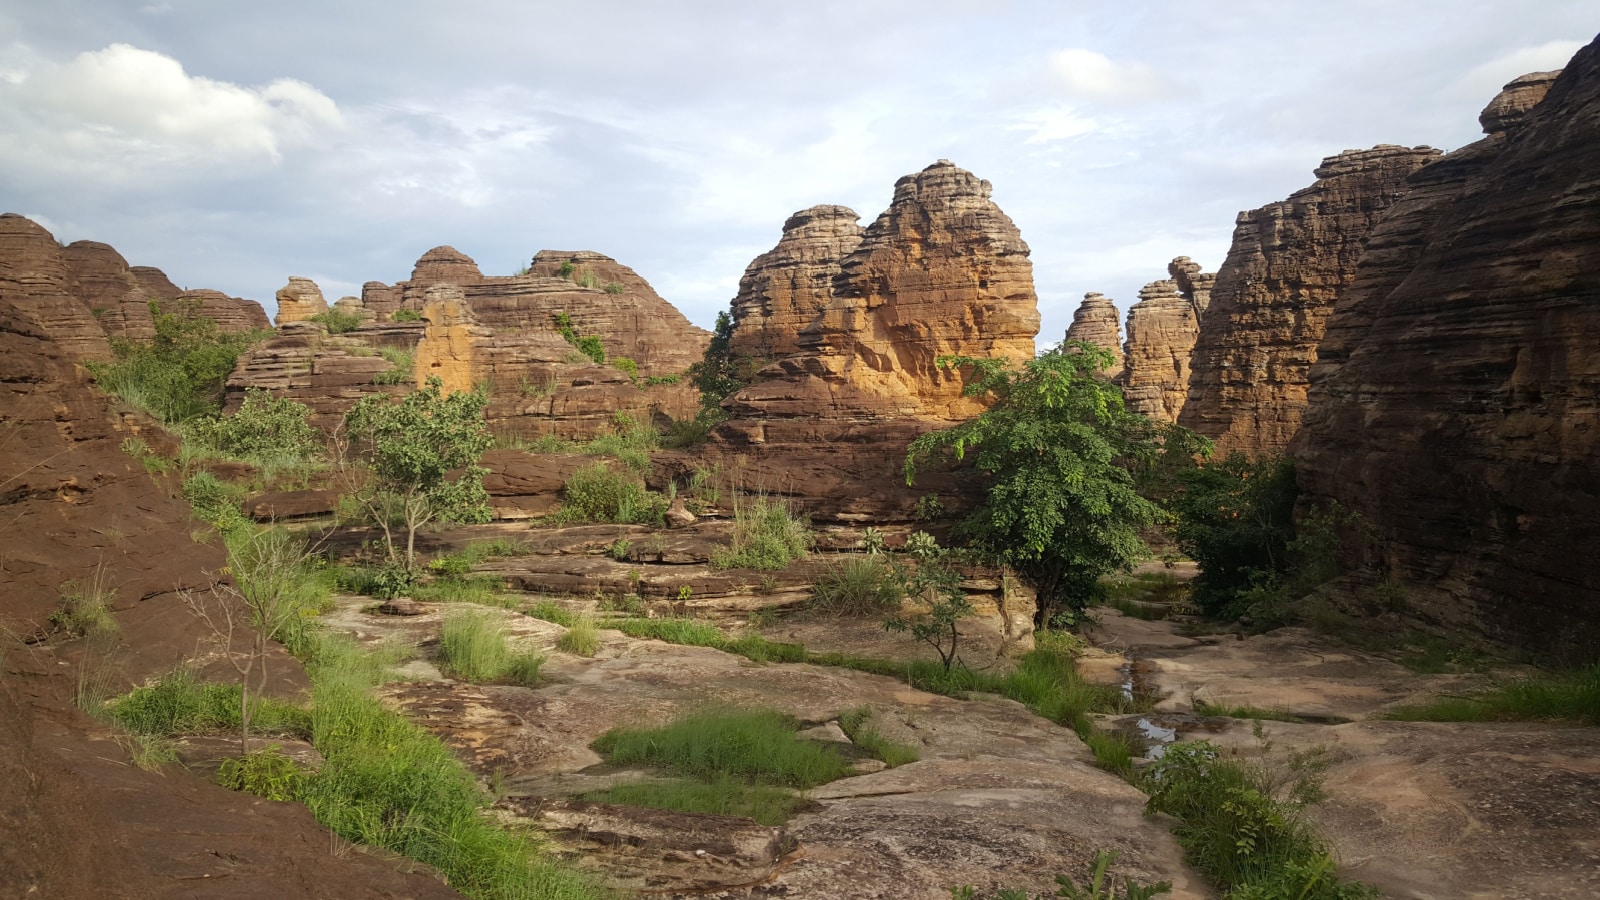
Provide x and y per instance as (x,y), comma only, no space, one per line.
(941,272)
(786,288)
(1288,266)
(1455,407)
(1162,328)
(1097,321)
(298,301)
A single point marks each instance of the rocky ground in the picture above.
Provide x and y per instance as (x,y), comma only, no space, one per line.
(1420,810)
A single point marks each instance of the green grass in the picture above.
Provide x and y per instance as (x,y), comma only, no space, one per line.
(1229,711)
(551,611)
(85,606)
(181,703)
(337,320)
(1112,751)
(766,535)
(581,637)
(1432,655)
(856,723)
(693,633)
(473,647)
(601,494)
(387,783)
(266,773)
(858,586)
(766,804)
(1567,696)
(485,590)
(758,744)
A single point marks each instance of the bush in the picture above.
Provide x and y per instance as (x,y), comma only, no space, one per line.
(473,647)
(599,494)
(627,366)
(338,320)
(405,315)
(215,502)
(766,535)
(581,638)
(400,366)
(266,773)
(181,703)
(181,373)
(588,345)
(614,287)
(265,426)
(1236,519)
(858,586)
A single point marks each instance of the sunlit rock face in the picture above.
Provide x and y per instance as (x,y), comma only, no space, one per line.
(1162,328)
(1454,404)
(784,289)
(1097,321)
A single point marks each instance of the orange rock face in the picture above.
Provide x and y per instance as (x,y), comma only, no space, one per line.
(1096,321)
(1162,328)
(1289,264)
(786,288)
(1454,403)
(299,300)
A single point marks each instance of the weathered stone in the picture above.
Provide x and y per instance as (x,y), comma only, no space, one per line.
(299,300)
(233,314)
(1461,420)
(327,372)
(1288,266)
(1162,328)
(100,279)
(786,288)
(1192,283)
(1507,110)
(33,282)
(1098,322)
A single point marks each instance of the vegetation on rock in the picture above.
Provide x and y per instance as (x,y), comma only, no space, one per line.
(180,374)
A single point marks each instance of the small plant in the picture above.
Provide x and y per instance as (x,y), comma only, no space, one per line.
(148,751)
(473,647)
(588,345)
(550,611)
(581,637)
(1102,888)
(766,535)
(338,320)
(653,380)
(619,548)
(85,609)
(940,589)
(588,280)
(391,580)
(923,545)
(400,370)
(600,494)
(405,315)
(871,540)
(266,426)
(685,593)
(614,287)
(929,508)
(215,502)
(566,269)
(627,366)
(153,462)
(266,773)
(858,586)
(536,388)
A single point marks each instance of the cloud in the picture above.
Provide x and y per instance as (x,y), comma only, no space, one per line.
(1053,124)
(123,111)
(1485,80)
(1094,76)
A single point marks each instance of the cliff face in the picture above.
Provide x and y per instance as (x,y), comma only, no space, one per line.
(786,288)
(1096,321)
(1456,407)
(941,272)
(1289,264)
(81,295)
(1162,328)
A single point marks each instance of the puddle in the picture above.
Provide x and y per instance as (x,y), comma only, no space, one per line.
(1137,686)
(1152,732)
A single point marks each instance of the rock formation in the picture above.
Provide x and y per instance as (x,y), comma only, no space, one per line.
(33,280)
(941,272)
(1162,328)
(1192,283)
(786,288)
(299,300)
(1511,105)
(100,278)
(1454,407)
(1097,321)
(1289,264)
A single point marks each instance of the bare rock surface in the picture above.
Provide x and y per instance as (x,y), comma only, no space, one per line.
(1098,322)
(33,285)
(1290,263)
(786,288)
(999,797)
(1162,328)
(1460,419)
(1508,109)
(299,300)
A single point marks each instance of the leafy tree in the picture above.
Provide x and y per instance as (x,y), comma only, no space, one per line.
(939,586)
(1236,520)
(411,448)
(180,374)
(1058,449)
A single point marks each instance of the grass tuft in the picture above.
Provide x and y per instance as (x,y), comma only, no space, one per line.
(758,744)
(181,703)
(473,647)
(766,535)
(1570,696)
(858,586)
(857,725)
(581,638)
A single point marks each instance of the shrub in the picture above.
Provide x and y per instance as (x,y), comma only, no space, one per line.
(614,287)
(1236,519)
(215,502)
(589,345)
(181,373)
(266,773)
(858,586)
(759,744)
(473,647)
(400,366)
(766,535)
(599,494)
(338,320)
(627,366)
(581,638)
(266,425)
(405,315)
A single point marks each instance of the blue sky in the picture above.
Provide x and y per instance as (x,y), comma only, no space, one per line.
(234,144)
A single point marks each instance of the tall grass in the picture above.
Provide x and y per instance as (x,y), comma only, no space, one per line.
(711,744)
(1571,696)
(858,586)
(581,638)
(473,647)
(766,535)
(180,703)
(857,725)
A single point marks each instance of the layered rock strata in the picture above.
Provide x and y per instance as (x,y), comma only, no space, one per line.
(1193,284)
(786,288)
(1456,408)
(299,300)
(1097,322)
(1288,266)
(1162,328)
(942,272)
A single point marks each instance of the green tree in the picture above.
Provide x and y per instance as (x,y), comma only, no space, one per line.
(1236,520)
(180,374)
(411,448)
(265,426)
(1058,450)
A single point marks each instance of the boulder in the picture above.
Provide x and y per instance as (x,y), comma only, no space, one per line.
(299,300)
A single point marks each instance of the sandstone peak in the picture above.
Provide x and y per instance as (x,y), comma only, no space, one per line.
(1521,94)
(1192,283)
(1162,328)
(445,265)
(787,287)
(299,300)
(1098,322)
(1381,156)
(34,278)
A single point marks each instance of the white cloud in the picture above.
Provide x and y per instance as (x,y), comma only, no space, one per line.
(1053,124)
(123,111)
(1094,76)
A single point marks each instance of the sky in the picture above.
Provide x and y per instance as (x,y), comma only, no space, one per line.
(235,144)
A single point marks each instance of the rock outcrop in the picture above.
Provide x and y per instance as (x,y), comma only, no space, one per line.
(1162,328)
(1097,321)
(299,300)
(1289,264)
(941,272)
(33,281)
(1454,406)
(786,288)
(1192,283)
(1507,110)
(101,280)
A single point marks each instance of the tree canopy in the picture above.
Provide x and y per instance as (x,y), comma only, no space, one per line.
(1059,452)
(410,449)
